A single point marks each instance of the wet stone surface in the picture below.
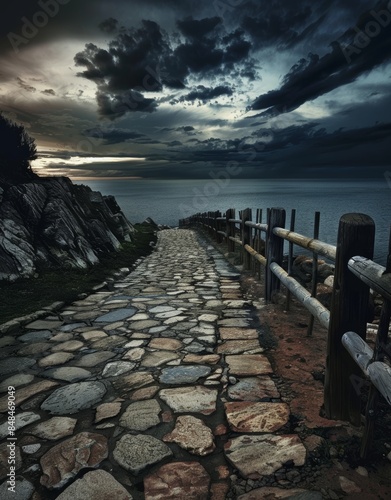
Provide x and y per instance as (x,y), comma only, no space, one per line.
(154,388)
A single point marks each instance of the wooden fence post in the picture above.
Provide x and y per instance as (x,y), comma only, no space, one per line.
(218,236)
(246,238)
(348,312)
(230,229)
(275,250)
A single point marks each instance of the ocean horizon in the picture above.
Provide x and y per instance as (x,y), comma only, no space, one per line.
(168,201)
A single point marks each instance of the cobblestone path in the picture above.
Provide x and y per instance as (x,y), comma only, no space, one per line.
(158,389)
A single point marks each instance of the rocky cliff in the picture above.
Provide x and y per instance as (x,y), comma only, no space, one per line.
(52,222)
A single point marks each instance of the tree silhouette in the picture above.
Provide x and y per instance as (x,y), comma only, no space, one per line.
(17,150)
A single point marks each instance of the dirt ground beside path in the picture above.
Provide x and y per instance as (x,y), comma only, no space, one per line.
(299,363)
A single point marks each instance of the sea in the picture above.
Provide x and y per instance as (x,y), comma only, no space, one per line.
(167,201)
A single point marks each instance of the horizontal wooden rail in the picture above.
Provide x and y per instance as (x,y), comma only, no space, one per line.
(316,246)
(379,373)
(223,233)
(358,349)
(257,256)
(235,221)
(261,227)
(236,240)
(372,274)
(303,295)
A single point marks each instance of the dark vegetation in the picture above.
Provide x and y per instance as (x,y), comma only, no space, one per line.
(17,150)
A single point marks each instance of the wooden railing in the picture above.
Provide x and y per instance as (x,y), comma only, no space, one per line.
(355,274)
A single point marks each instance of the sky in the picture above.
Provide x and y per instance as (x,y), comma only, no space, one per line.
(196,88)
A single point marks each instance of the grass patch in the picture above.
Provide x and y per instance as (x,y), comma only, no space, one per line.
(28,295)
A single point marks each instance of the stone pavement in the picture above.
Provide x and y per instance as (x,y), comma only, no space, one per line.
(158,388)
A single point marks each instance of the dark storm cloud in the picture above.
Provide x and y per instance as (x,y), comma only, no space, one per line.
(287,24)
(355,54)
(146,59)
(117,105)
(109,25)
(112,135)
(268,25)
(25,86)
(198,29)
(204,94)
(49,92)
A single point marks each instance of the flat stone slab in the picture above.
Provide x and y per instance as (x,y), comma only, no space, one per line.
(107,410)
(133,381)
(42,324)
(143,325)
(74,397)
(256,456)
(7,341)
(141,415)
(108,342)
(134,354)
(238,333)
(237,346)
(36,336)
(13,365)
(178,480)
(165,344)
(144,393)
(183,374)
(21,420)
(208,359)
(62,462)
(193,435)
(62,337)
(208,318)
(27,392)
(54,428)
(97,485)
(158,358)
(161,309)
(34,349)
(58,358)
(278,493)
(71,327)
(116,368)
(16,381)
(93,359)
(195,399)
(69,346)
(93,335)
(117,315)
(253,389)
(235,322)
(168,314)
(135,452)
(248,364)
(23,490)
(68,374)
(256,417)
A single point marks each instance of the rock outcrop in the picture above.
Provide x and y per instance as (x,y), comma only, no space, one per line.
(51,222)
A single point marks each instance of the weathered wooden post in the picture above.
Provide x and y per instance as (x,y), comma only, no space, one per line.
(314,272)
(219,237)
(246,238)
(290,257)
(275,250)
(348,312)
(230,229)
